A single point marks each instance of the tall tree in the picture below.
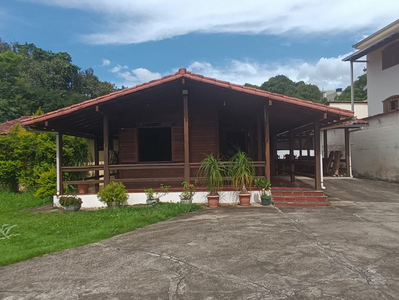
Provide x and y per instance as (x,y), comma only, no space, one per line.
(281,84)
(31,77)
(359,90)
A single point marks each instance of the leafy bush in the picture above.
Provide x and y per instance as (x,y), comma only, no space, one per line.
(48,184)
(263,183)
(24,156)
(69,200)
(114,192)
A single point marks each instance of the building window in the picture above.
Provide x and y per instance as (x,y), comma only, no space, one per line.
(390,104)
(390,56)
(155,144)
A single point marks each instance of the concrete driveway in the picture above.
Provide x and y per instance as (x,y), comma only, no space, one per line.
(348,251)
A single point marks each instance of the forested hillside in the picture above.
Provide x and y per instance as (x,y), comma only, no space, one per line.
(31,77)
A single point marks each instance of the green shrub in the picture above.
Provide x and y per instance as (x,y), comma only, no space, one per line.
(69,200)
(47,183)
(263,183)
(24,156)
(114,192)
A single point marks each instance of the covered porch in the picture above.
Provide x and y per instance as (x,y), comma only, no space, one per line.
(159,132)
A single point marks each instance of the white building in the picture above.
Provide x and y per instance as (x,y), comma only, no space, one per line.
(375,149)
(381,50)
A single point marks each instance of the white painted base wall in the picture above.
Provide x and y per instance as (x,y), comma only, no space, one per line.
(230,197)
(375,149)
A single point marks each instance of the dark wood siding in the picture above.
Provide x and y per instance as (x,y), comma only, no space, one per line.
(177,144)
(128,150)
(203,125)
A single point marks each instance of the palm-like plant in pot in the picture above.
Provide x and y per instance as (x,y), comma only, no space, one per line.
(242,171)
(212,170)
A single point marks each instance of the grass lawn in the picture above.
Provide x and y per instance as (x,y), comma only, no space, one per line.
(41,233)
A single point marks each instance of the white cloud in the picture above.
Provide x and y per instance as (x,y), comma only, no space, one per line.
(137,76)
(106,62)
(326,73)
(126,21)
(118,68)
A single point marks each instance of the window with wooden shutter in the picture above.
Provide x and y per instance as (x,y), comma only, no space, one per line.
(391,104)
(390,56)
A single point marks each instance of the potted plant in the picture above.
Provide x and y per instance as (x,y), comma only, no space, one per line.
(189,189)
(264,186)
(212,170)
(153,196)
(242,171)
(70,203)
(114,194)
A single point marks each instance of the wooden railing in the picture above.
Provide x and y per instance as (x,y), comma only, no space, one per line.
(97,179)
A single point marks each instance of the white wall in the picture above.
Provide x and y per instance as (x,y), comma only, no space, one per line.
(230,197)
(381,84)
(375,149)
(336,137)
(361,108)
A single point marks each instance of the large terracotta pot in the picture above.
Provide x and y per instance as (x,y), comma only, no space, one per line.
(244,199)
(213,201)
(83,188)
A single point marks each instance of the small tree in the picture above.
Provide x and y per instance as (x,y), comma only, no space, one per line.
(241,171)
(212,170)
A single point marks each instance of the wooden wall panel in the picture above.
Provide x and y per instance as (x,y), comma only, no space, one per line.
(203,123)
(128,146)
(177,144)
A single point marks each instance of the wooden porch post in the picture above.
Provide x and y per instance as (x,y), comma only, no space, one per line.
(267,141)
(291,157)
(259,136)
(300,144)
(325,144)
(347,153)
(308,144)
(58,140)
(96,162)
(317,155)
(106,148)
(186,141)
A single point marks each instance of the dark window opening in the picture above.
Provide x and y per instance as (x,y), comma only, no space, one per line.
(155,144)
(394,105)
(235,139)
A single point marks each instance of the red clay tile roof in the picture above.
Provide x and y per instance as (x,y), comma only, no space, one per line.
(183,73)
(360,121)
(6,126)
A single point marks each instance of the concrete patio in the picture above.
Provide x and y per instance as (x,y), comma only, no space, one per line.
(346,251)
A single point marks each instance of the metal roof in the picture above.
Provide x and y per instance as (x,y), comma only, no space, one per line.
(378,44)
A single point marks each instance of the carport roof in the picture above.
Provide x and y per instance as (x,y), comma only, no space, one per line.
(183,73)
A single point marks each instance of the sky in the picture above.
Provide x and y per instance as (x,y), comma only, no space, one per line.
(129,42)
